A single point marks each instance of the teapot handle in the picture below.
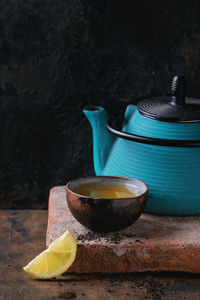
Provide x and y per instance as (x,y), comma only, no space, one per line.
(112,128)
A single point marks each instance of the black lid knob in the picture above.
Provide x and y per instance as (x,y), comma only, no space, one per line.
(178,90)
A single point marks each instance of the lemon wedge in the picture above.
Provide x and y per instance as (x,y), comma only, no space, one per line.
(55,260)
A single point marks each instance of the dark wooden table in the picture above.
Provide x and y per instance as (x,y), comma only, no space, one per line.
(22,237)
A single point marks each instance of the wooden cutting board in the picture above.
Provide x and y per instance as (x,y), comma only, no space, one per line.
(153,243)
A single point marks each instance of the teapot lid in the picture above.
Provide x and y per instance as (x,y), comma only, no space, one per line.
(176,108)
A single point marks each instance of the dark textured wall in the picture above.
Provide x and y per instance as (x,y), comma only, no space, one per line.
(57,56)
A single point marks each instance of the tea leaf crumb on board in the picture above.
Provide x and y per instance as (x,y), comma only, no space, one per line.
(91,236)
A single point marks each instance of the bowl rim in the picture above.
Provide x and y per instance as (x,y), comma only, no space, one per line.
(110,177)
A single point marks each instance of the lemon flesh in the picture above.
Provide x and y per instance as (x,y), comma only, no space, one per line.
(55,260)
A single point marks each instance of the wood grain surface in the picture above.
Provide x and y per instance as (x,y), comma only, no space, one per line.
(153,244)
(22,237)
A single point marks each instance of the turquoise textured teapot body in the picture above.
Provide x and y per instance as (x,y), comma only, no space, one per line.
(171,173)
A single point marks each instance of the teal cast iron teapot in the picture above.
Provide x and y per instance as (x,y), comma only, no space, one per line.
(159,143)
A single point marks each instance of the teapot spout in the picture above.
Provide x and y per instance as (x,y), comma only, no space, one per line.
(103,141)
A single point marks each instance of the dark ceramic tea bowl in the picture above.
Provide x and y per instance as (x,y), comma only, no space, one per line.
(106,215)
